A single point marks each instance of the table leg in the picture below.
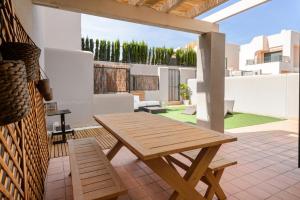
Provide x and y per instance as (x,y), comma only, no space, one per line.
(63,127)
(63,130)
(167,173)
(214,185)
(198,168)
(111,154)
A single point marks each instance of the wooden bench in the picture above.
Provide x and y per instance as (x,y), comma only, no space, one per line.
(93,177)
(213,174)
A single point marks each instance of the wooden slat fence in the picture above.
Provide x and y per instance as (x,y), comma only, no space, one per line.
(23,145)
(144,82)
(110,79)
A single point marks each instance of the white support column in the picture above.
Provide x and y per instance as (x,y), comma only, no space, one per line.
(210,81)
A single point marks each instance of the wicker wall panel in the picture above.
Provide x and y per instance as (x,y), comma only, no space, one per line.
(23,145)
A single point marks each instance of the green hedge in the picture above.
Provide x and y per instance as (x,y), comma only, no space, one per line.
(138,52)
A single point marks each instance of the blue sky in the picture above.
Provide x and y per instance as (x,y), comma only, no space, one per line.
(266,19)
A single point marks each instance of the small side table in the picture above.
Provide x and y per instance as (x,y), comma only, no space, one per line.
(64,129)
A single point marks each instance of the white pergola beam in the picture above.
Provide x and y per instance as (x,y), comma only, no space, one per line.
(137,14)
(233,9)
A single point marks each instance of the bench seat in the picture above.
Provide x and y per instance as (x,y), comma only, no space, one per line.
(93,177)
(218,162)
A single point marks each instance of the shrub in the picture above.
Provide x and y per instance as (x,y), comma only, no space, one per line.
(87,44)
(107,51)
(91,46)
(96,57)
(117,51)
(102,53)
(82,44)
(112,57)
(137,52)
(185,91)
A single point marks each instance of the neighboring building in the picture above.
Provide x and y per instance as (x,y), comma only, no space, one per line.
(231,54)
(232,57)
(272,54)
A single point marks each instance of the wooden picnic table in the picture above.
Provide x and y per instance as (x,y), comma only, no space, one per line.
(153,138)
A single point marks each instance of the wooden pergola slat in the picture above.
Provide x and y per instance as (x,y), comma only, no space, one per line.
(169,5)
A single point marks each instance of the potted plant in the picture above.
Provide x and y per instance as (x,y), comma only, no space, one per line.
(185,93)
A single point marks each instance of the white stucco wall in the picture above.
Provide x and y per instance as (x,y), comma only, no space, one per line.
(142,69)
(23,10)
(71,77)
(163,84)
(61,29)
(192,83)
(269,68)
(49,27)
(270,95)
(112,103)
(53,28)
(186,74)
(232,52)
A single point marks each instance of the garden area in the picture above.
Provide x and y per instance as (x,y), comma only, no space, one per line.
(235,120)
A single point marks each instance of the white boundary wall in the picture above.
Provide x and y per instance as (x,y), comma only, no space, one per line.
(270,95)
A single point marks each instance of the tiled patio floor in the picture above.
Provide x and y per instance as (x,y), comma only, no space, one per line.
(267,169)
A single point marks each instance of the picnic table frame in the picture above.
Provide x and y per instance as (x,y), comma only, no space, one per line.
(153,139)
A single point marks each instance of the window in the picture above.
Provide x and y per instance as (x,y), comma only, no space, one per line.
(273,57)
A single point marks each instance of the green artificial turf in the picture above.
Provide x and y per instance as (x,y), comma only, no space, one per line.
(236,120)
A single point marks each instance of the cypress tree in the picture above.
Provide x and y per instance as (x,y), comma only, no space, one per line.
(117,51)
(96,57)
(149,56)
(87,44)
(102,50)
(157,56)
(125,52)
(112,57)
(82,43)
(153,56)
(108,51)
(170,52)
(91,45)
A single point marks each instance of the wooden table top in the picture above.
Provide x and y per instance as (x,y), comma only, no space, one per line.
(58,112)
(150,136)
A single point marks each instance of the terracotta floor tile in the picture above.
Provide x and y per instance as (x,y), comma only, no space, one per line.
(242,184)
(56,184)
(267,169)
(277,183)
(258,192)
(245,196)
(55,177)
(286,196)
(293,190)
(230,188)
(268,188)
